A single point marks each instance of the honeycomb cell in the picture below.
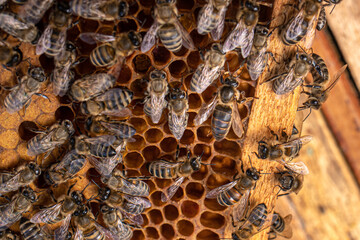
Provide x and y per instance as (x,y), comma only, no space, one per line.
(139,124)
(194,190)
(138,87)
(203,149)
(227,147)
(223,165)
(145,218)
(194,101)
(201,174)
(64,112)
(200,41)
(138,144)
(138,235)
(171,212)
(206,235)
(151,153)
(209,93)
(185,5)
(9,159)
(46,119)
(147,3)
(216,180)
(149,183)
(204,134)
(188,137)
(85,67)
(141,63)
(155,216)
(152,233)
(125,75)
(9,139)
(128,25)
(26,130)
(212,220)
(9,121)
(33,111)
(153,135)
(156,199)
(168,144)
(185,227)
(46,64)
(88,25)
(189,208)
(167,231)
(183,50)
(232,61)
(145,19)
(162,183)
(161,55)
(65,100)
(213,205)
(177,68)
(178,195)
(133,160)
(193,60)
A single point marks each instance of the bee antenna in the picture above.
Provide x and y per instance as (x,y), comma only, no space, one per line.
(95,183)
(250,161)
(208,164)
(301,48)
(68,192)
(307,115)
(91,198)
(333,8)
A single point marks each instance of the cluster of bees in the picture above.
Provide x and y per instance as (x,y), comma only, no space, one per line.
(123,198)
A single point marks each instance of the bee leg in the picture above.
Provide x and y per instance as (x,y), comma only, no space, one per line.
(43,96)
(232,220)
(283,194)
(257,155)
(73,24)
(241,166)
(177,153)
(274,134)
(26,106)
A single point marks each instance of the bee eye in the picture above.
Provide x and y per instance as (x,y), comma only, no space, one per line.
(163,76)
(153,75)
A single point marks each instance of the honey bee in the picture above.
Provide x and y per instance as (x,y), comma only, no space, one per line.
(280,226)
(302,26)
(9,56)
(253,224)
(225,110)
(108,10)
(321,23)
(157,89)
(257,59)
(102,124)
(60,212)
(25,32)
(101,146)
(168,28)
(19,204)
(31,230)
(293,76)
(289,182)
(113,102)
(8,235)
(180,169)
(3,4)
(47,141)
(23,176)
(212,18)
(206,73)
(34,10)
(91,86)
(53,39)
(108,54)
(66,169)
(21,94)
(113,219)
(178,117)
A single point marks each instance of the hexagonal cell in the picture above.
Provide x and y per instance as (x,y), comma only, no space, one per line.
(232,61)
(227,147)
(167,231)
(139,124)
(171,212)
(138,235)
(201,174)
(86,67)
(46,63)
(177,68)
(88,25)
(150,183)
(216,180)
(203,149)
(125,74)
(155,216)
(188,137)
(199,40)
(145,19)
(147,3)
(194,190)
(161,55)
(185,227)
(128,25)
(162,183)
(152,233)
(64,112)
(204,134)
(146,220)
(137,145)
(183,50)
(141,63)
(168,144)
(25,130)
(212,220)
(133,160)
(206,235)
(193,60)
(185,5)
(189,208)
(139,87)
(153,135)
(156,199)
(209,93)
(213,204)
(224,165)
(194,101)
(151,153)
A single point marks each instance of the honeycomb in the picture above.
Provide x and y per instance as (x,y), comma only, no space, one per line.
(188,215)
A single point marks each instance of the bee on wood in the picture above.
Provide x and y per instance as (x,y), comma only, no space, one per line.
(20,203)
(8,235)
(180,169)
(257,59)
(33,10)
(293,76)
(113,102)
(102,146)
(31,230)
(157,89)
(168,28)
(108,10)
(48,140)
(53,39)
(28,85)
(23,176)
(321,23)
(24,31)
(289,182)
(178,116)
(66,169)
(212,18)
(91,86)
(280,226)
(107,54)
(224,110)
(206,73)
(302,25)
(9,56)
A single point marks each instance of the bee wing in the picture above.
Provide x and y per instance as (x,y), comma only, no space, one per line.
(170,191)
(216,191)
(310,34)
(177,121)
(150,37)
(207,76)
(297,167)
(236,122)
(61,77)
(68,159)
(137,219)
(12,22)
(157,103)
(138,200)
(205,111)
(44,42)
(236,37)
(104,139)
(205,16)
(246,45)
(104,167)
(295,27)
(239,209)
(185,36)
(257,64)
(78,234)
(105,232)
(301,140)
(217,32)
(34,10)
(11,185)
(62,231)
(92,38)
(335,78)
(47,214)
(287,232)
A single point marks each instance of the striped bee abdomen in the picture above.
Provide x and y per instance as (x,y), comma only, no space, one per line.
(170,37)
(221,121)
(229,197)
(55,47)
(30,231)
(103,55)
(102,150)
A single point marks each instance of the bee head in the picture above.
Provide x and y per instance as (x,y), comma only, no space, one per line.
(286,181)
(311,8)
(77,197)
(70,47)
(123,9)
(252,6)
(263,150)
(35,168)
(177,93)
(68,126)
(253,173)
(312,102)
(135,38)
(105,208)
(195,163)
(64,7)
(82,210)
(29,194)
(104,193)
(37,73)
